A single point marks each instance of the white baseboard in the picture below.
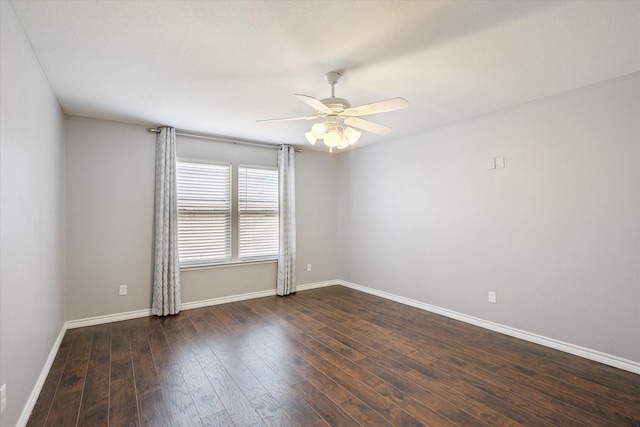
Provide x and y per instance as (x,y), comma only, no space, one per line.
(316,285)
(598,356)
(224,300)
(33,397)
(117,317)
(99,320)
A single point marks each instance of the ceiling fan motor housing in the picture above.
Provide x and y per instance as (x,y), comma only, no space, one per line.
(338,105)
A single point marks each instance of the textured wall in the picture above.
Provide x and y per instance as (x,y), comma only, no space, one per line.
(555,233)
(32,217)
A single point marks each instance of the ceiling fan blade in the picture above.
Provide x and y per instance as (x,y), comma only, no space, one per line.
(286,119)
(314,103)
(392,104)
(367,125)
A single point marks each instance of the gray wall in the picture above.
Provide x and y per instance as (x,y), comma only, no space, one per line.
(110,169)
(556,233)
(32,227)
(317,217)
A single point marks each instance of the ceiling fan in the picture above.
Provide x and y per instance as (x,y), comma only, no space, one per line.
(338,118)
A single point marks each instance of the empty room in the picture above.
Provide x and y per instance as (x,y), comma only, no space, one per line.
(319,213)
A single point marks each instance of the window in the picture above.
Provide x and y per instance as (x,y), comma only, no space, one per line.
(204,213)
(257,212)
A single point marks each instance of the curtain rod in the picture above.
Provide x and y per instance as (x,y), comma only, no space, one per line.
(225,139)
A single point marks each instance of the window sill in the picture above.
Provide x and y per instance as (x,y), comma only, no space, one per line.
(229,264)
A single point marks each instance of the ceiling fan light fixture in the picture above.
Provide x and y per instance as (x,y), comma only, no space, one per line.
(332,138)
(319,129)
(352,134)
(344,142)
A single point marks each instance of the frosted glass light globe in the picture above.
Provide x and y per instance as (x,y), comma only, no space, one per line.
(344,142)
(318,130)
(352,134)
(332,138)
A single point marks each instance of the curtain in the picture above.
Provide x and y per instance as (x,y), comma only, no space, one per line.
(286,282)
(166,272)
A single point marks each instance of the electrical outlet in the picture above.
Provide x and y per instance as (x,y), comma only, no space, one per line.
(3,397)
(492,297)
(123,289)
(308,267)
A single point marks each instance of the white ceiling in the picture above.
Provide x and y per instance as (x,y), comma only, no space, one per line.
(218,66)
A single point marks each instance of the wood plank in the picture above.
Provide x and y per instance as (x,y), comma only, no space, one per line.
(194,327)
(66,402)
(45,399)
(94,409)
(123,406)
(415,407)
(187,358)
(219,419)
(151,404)
(297,410)
(179,404)
(233,400)
(269,342)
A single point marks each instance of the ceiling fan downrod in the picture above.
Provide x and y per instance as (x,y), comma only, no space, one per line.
(332,78)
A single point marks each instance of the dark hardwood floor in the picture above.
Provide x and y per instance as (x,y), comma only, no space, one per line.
(330,356)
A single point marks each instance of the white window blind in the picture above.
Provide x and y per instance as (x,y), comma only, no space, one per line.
(204,213)
(257,212)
